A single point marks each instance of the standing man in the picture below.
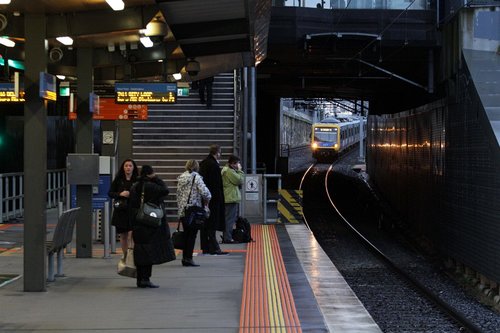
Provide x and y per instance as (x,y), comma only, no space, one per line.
(205,86)
(211,173)
(232,179)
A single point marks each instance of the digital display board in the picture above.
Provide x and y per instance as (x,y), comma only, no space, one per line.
(146,93)
(7,94)
(48,88)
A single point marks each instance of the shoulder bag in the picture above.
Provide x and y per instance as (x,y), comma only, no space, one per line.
(149,214)
(194,216)
(178,238)
(126,267)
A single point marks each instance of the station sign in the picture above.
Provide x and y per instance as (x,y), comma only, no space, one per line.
(8,95)
(109,110)
(145,93)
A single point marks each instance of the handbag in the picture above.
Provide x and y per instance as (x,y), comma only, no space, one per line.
(149,214)
(194,216)
(120,204)
(127,267)
(178,238)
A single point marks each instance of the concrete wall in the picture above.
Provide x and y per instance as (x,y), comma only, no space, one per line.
(295,128)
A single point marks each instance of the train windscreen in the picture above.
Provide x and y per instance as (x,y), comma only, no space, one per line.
(325,134)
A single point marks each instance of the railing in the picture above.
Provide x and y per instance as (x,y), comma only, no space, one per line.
(12,192)
(270,199)
(355,4)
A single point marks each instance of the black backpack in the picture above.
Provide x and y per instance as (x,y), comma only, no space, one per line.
(243,231)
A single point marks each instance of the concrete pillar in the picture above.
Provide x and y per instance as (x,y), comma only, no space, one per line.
(244,117)
(84,145)
(124,128)
(35,156)
(253,117)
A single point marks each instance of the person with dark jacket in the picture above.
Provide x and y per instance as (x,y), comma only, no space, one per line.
(211,173)
(119,191)
(205,87)
(152,245)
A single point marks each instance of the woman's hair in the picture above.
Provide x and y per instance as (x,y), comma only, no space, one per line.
(192,165)
(121,172)
(146,170)
(233,159)
(214,149)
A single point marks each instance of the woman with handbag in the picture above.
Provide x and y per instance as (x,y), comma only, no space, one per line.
(152,244)
(119,191)
(191,191)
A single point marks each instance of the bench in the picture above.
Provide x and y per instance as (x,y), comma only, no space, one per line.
(63,235)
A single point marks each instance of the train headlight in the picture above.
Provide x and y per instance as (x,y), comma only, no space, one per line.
(335,145)
(314,145)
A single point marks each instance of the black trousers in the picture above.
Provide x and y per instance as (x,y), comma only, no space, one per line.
(144,272)
(208,241)
(189,240)
(205,87)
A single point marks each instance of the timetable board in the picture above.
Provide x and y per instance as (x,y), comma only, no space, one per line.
(145,93)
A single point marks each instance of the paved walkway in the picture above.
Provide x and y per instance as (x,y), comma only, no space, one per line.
(272,285)
(93,298)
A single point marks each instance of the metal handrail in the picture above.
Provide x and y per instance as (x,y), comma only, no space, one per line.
(265,198)
(12,192)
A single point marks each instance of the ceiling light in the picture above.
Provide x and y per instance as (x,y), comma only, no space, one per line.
(116,4)
(4,2)
(65,40)
(7,42)
(146,41)
(157,27)
(61,77)
(177,76)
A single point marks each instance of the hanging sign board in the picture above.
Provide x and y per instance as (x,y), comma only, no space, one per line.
(144,93)
(48,89)
(8,95)
(109,110)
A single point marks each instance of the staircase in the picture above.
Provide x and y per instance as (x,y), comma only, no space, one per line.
(175,133)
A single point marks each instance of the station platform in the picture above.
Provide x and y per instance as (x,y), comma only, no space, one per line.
(281,282)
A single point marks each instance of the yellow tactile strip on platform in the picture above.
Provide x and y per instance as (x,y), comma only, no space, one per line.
(267,303)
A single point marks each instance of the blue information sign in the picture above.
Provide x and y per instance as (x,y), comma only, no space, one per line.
(100,197)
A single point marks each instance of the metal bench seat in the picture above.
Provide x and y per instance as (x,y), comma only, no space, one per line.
(63,234)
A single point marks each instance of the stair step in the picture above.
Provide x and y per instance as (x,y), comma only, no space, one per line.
(175,133)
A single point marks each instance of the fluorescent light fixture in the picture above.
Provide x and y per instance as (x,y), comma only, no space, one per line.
(61,77)
(116,4)
(146,41)
(4,2)
(7,42)
(177,76)
(65,40)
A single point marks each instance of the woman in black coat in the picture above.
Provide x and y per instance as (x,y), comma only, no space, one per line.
(119,191)
(152,245)
(211,173)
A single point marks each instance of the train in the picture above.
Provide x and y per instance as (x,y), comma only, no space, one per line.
(331,137)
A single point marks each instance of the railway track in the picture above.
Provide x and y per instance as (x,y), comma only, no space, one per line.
(386,275)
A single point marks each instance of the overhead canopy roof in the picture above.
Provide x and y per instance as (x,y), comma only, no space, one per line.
(220,34)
